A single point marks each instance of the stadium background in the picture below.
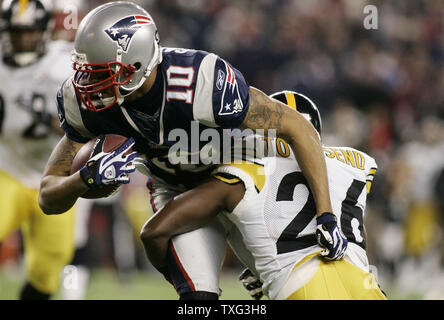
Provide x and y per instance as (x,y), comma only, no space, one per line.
(379,90)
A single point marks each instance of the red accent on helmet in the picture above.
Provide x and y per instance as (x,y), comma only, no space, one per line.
(85,92)
(143,19)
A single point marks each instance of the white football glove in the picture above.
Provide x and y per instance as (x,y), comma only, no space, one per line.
(105,168)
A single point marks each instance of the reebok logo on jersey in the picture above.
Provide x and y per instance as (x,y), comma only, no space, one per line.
(220,79)
(123,30)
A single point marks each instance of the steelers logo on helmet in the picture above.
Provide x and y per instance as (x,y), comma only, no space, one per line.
(302,104)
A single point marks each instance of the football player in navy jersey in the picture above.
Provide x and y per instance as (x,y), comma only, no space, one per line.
(126,84)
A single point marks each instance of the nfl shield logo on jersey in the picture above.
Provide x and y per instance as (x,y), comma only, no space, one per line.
(123,30)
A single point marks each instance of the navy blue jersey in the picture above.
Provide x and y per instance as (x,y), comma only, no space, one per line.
(191,85)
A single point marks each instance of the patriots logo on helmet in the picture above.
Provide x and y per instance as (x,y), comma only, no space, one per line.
(123,30)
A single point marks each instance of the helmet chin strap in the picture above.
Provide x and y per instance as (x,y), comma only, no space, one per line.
(157,58)
(107,101)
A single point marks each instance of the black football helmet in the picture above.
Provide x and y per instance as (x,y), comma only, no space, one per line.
(26,27)
(302,104)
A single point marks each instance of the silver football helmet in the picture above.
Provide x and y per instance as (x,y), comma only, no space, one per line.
(115,49)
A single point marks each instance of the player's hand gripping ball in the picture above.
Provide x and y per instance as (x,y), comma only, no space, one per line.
(105,163)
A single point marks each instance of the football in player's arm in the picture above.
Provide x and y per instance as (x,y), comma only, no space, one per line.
(136,70)
(281,239)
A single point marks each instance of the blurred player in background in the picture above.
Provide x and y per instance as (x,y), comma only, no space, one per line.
(126,84)
(32,68)
(273,220)
(413,176)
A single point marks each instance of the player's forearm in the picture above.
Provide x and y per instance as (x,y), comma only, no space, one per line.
(156,250)
(188,211)
(155,240)
(267,113)
(308,152)
(59,193)
(55,126)
(58,189)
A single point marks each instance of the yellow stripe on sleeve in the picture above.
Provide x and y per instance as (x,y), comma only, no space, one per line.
(227,180)
(368,184)
(255,171)
(370,175)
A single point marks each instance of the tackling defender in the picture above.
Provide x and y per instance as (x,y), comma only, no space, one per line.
(33,68)
(126,84)
(271,217)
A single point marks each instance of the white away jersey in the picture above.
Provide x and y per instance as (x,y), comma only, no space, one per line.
(277,214)
(25,145)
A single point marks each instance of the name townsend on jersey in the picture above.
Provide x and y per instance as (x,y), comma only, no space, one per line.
(350,157)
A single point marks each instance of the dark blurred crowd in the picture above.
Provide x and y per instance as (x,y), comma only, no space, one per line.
(379,90)
(390,78)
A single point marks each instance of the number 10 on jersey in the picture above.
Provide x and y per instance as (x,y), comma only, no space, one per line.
(182,78)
